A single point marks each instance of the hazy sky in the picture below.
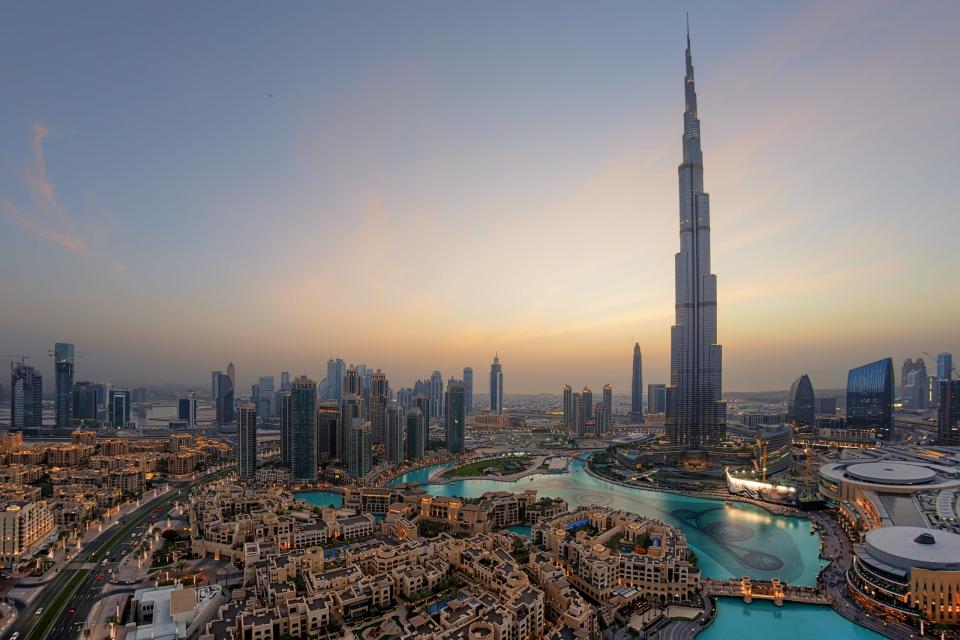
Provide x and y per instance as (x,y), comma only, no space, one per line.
(435,181)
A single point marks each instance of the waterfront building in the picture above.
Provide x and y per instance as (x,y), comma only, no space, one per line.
(247,441)
(303,432)
(909,573)
(416,434)
(496,386)
(801,403)
(468,384)
(26,396)
(224,400)
(456,417)
(636,387)
(436,395)
(870,398)
(84,403)
(395,431)
(63,357)
(948,413)
(328,425)
(567,406)
(360,450)
(656,398)
(695,414)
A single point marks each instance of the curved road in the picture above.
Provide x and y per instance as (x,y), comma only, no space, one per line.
(80,584)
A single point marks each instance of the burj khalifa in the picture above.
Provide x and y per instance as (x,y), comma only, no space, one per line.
(696,417)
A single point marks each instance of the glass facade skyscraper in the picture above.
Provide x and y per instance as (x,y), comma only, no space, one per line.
(636,387)
(496,386)
(84,403)
(696,416)
(468,383)
(303,431)
(328,426)
(26,397)
(801,403)
(247,444)
(63,358)
(396,429)
(224,399)
(456,416)
(416,434)
(870,398)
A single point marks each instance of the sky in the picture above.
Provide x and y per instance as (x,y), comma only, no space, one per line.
(419,185)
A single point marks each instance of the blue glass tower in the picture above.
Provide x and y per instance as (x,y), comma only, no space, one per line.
(870,398)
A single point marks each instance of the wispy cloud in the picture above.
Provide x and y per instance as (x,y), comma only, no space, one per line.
(46,218)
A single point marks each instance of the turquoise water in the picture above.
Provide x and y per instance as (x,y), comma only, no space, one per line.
(321,498)
(522,529)
(420,475)
(730,540)
(763,619)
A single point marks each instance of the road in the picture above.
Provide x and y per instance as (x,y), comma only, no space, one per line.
(61,608)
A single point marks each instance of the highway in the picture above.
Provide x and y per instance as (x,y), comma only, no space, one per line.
(60,610)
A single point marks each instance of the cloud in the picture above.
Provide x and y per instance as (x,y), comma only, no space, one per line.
(46,218)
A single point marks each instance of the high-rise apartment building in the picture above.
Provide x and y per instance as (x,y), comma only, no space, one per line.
(119,408)
(360,460)
(349,413)
(944,366)
(328,430)
(63,358)
(607,409)
(579,416)
(456,416)
(303,434)
(247,441)
(436,395)
(416,434)
(232,374)
(377,405)
(263,397)
(587,395)
(284,380)
(224,400)
(187,410)
(567,406)
(26,396)
(395,431)
(468,383)
(285,408)
(636,387)
(496,386)
(870,398)
(696,416)
(801,403)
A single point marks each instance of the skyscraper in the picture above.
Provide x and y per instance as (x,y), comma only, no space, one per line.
(285,407)
(416,434)
(214,378)
(26,396)
(224,400)
(455,417)
(349,412)
(801,403)
(696,416)
(656,398)
(579,416)
(377,406)
(232,374)
(944,366)
(567,406)
(328,426)
(84,403)
(587,395)
(336,370)
(63,358)
(870,398)
(636,388)
(360,449)
(264,397)
(496,386)
(607,409)
(187,410)
(303,434)
(468,383)
(247,441)
(396,429)
(914,391)
(284,380)
(436,395)
(948,413)
(119,408)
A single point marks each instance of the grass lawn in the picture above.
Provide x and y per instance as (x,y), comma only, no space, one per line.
(491,464)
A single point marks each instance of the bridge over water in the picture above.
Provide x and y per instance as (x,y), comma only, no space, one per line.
(775,590)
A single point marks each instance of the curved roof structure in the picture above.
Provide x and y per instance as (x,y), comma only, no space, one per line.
(912,547)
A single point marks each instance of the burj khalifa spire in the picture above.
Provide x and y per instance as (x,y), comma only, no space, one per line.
(696,417)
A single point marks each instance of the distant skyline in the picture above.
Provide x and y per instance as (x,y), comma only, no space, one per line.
(417,187)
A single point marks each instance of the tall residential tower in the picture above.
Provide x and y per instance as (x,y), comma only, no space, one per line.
(496,386)
(636,388)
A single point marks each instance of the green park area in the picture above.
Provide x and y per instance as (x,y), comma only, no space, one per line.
(502,466)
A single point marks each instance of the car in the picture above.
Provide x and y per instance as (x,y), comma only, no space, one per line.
(39,611)
(100,577)
(16,634)
(71,610)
